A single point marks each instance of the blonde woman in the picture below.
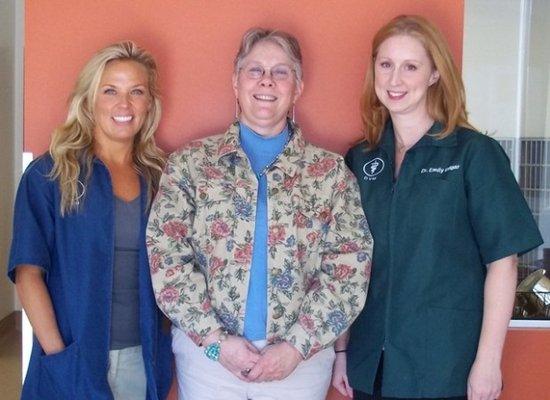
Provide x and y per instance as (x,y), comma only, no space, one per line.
(78,253)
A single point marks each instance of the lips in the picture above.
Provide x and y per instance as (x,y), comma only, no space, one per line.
(394,95)
(265,97)
(123,118)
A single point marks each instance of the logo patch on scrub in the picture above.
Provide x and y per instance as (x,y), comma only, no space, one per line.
(373,168)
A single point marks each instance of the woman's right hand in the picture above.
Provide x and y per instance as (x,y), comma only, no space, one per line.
(340,377)
(237,355)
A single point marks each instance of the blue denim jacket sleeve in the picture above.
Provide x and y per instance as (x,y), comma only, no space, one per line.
(33,220)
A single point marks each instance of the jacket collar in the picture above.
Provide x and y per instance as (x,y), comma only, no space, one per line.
(289,161)
(388,138)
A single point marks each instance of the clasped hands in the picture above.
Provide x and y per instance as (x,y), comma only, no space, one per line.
(274,362)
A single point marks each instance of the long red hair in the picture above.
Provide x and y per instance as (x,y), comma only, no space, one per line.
(445,99)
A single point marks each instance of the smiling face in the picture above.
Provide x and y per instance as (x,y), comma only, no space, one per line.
(403,72)
(264,101)
(122,102)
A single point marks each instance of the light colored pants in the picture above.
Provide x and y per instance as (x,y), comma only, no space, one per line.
(200,378)
(126,374)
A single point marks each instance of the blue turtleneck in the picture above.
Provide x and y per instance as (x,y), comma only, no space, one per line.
(261,152)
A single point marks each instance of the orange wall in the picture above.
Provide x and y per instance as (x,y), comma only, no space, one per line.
(525,366)
(195,42)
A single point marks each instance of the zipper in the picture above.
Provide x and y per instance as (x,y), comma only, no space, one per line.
(393,205)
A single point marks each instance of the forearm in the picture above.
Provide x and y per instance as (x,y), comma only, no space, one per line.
(328,312)
(184,300)
(37,303)
(341,344)
(344,275)
(500,286)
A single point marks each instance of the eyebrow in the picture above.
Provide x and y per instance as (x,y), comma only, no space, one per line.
(379,58)
(262,64)
(134,86)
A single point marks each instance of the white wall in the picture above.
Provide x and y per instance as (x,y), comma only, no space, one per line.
(491,72)
(7,19)
(537,94)
(10,133)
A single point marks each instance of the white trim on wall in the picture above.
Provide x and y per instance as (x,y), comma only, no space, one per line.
(523,61)
(18,74)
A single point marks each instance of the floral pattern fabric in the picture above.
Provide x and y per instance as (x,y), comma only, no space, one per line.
(201,229)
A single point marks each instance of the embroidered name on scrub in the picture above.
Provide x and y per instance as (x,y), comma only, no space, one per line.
(439,170)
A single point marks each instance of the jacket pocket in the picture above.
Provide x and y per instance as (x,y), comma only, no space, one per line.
(58,373)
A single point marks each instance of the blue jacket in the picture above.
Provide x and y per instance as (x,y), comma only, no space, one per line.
(76,252)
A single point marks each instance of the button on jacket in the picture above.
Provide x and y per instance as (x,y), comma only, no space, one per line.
(201,230)
(454,208)
(76,252)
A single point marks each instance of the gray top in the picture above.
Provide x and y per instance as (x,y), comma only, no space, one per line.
(125,303)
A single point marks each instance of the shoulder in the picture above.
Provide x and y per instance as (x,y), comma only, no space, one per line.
(360,151)
(199,150)
(474,140)
(312,151)
(322,163)
(315,154)
(480,148)
(39,169)
(198,147)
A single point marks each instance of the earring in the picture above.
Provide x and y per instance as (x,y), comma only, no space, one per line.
(292,113)
(237,109)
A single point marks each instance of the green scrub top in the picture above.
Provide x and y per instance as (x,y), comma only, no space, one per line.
(454,208)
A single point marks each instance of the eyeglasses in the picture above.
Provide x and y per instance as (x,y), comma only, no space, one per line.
(279,73)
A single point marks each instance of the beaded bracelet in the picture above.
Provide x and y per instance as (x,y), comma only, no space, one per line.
(213,350)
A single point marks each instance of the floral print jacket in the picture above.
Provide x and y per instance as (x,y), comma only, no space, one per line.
(201,229)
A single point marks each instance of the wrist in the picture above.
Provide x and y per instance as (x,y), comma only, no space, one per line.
(212,337)
(213,350)
(491,360)
(297,355)
(54,348)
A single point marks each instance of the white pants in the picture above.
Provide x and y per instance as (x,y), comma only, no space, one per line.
(200,378)
(126,374)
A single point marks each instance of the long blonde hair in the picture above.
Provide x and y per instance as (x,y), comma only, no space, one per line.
(72,143)
(445,99)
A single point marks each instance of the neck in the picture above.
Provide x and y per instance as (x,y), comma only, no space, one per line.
(114,153)
(409,130)
(268,130)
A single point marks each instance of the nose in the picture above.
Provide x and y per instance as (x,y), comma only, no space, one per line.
(266,80)
(124,99)
(395,77)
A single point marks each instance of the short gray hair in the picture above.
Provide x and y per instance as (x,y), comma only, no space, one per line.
(285,40)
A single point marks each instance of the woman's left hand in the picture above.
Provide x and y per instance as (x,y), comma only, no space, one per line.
(340,377)
(484,382)
(277,361)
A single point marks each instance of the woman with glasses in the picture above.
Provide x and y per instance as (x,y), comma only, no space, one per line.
(449,220)
(259,248)
(78,255)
